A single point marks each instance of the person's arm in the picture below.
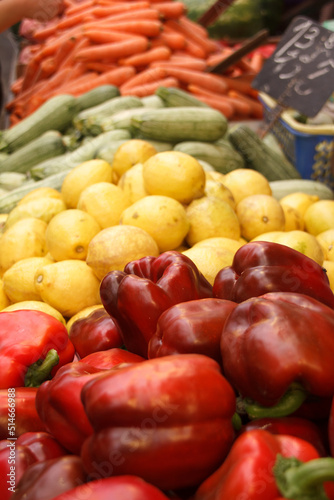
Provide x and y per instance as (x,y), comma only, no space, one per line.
(13,11)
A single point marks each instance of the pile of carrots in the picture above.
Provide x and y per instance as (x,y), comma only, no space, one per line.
(137,45)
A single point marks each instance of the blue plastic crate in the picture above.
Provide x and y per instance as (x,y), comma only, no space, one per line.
(309,147)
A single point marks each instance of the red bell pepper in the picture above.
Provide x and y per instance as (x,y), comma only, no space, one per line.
(138,295)
(45,480)
(292,426)
(96,332)
(33,346)
(191,327)
(260,267)
(277,349)
(16,456)
(58,401)
(118,488)
(263,466)
(167,420)
(22,401)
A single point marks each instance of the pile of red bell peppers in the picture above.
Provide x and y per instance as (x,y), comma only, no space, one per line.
(176,388)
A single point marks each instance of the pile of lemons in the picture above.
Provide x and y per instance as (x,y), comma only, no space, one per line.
(56,246)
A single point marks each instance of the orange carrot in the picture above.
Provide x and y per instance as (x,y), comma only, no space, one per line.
(45,32)
(174,41)
(149,88)
(146,76)
(107,36)
(30,74)
(193,26)
(100,67)
(257,61)
(75,20)
(51,47)
(256,110)
(186,63)
(78,7)
(206,44)
(239,84)
(117,8)
(115,77)
(209,81)
(145,14)
(65,50)
(147,57)
(170,10)
(149,28)
(220,104)
(113,51)
(17,85)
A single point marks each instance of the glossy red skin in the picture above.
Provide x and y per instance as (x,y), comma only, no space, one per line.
(43,445)
(260,267)
(110,358)
(146,288)
(47,479)
(247,470)
(120,487)
(191,327)
(27,336)
(26,416)
(59,405)
(23,459)
(271,341)
(96,332)
(167,420)
(292,426)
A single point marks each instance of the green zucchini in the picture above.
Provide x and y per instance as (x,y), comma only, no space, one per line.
(55,114)
(107,152)
(10,200)
(11,180)
(222,158)
(174,97)
(185,123)
(46,146)
(152,101)
(97,96)
(89,121)
(308,186)
(261,157)
(123,119)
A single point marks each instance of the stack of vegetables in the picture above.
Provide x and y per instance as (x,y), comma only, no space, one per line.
(176,388)
(136,46)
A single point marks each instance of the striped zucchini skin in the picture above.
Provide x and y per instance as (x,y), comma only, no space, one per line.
(97,96)
(184,123)
(46,146)
(10,200)
(55,114)
(259,156)
(174,97)
(308,186)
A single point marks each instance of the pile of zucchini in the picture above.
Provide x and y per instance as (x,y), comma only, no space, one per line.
(66,131)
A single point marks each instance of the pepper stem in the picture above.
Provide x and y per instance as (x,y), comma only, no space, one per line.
(289,403)
(40,371)
(303,481)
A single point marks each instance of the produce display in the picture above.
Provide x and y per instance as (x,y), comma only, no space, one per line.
(166,274)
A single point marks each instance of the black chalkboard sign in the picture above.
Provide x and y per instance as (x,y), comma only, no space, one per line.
(300,72)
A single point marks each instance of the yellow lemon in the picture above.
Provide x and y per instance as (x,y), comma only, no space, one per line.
(82,314)
(216,189)
(82,176)
(41,192)
(221,242)
(211,217)
(36,305)
(69,233)
(299,201)
(328,265)
(326,240)
(132,183)
(105,202)
(210,259)
(258,214)
(4,299)
(214,175)
(40,208)
(319,217)
(25,238)
(130,153)
(19,279)
(162,217)
(174,174)
(68,285)
(3,218)
(112,248)
(304,242)
(244,182)
(293,219)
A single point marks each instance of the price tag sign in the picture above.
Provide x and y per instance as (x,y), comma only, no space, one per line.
(300,72)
